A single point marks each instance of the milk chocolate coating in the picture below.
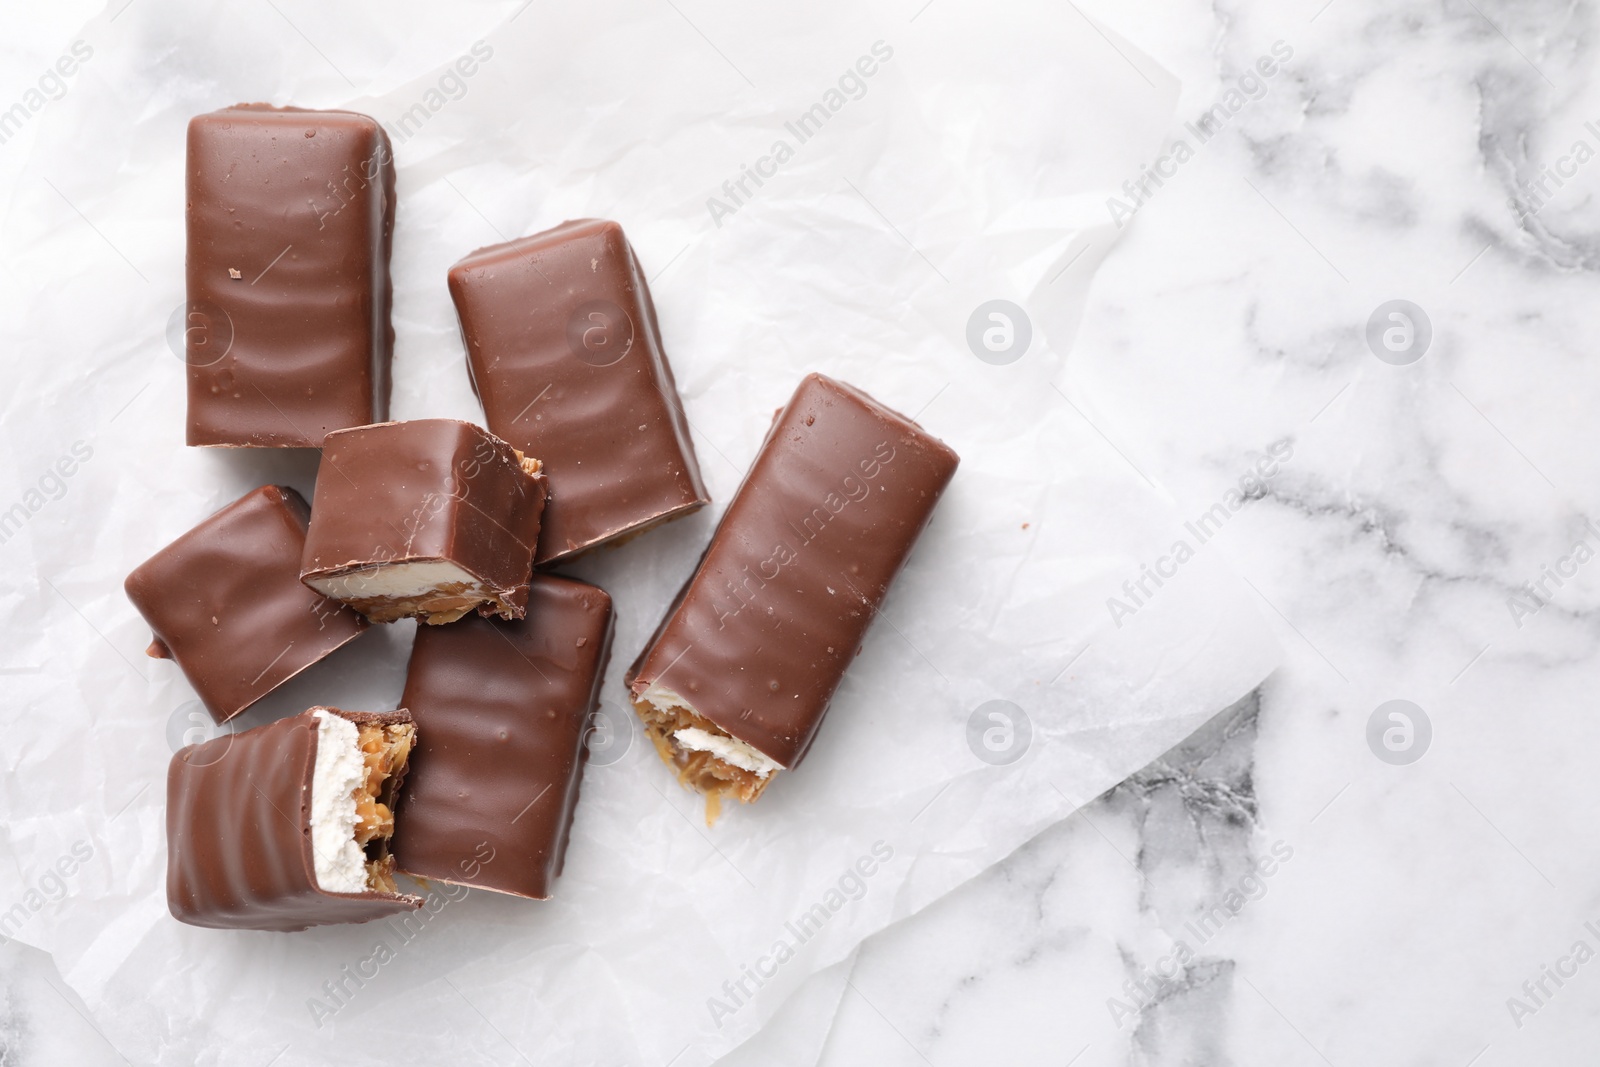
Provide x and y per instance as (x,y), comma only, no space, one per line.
(239,833)
(225,600)
(501,710)
(428,489)
(543,319)
(290,220)
(760,636)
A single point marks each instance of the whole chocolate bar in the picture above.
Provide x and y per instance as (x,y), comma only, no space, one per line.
(225,600)
(736,680)
(290,219)
(566,356)
(429,518)
(502,710)
(286,826)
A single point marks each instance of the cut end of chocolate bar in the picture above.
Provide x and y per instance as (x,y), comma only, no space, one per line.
(761,635)
(287,825)
(436,591)
(427,519)
(704,756)
(360,762)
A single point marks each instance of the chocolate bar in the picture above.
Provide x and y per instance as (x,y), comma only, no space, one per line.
(428,519)
(737,678)
(290,219)
(565,354)
(286,826)
(226,602)
(502,710)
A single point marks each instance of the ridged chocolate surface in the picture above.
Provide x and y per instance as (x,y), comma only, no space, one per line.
(225,600)
(501,711)
(428,489)
(760,636)
(239,833)
(612,435)
(290,220)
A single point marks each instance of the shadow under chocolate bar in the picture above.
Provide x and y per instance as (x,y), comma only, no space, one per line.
(290,222)
(736,680)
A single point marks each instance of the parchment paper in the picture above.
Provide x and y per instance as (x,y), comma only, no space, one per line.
(971,165)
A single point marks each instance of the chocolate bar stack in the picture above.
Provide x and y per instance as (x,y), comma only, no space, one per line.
(474,780)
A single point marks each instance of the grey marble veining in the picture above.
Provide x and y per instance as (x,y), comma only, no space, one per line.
(1414,913)
(1174,840)
(1424,542)
(41,1020)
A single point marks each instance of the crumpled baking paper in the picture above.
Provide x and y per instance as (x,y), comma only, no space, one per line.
(937,159)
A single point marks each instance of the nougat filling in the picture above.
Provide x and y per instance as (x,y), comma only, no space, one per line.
(436,591)
(357,776)
(704,756)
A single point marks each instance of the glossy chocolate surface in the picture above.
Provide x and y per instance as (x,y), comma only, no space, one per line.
(239,833)
(226,602)
(424,490)
(290,221)
(502,711)
(565,354)
(761,635)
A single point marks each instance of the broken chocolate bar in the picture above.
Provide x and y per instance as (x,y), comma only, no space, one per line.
(502,710)
(428,519)
(735,682)
(566,356)
(290,220)
(225,600)
(287,825)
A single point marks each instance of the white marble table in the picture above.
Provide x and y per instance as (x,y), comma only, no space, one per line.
(1275,891)
(1391,552)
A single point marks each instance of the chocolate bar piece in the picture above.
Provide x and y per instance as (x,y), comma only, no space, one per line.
(565,355)
(287,826)
(290,217)
(225,600)
(428,519)
(502,709)
(737,678)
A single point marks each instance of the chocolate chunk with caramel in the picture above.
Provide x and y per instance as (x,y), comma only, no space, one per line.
(430,519)
(287,825)
(734,684)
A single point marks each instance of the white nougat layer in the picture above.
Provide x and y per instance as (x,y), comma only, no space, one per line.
(341,866)
(729,750)
(397,581)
